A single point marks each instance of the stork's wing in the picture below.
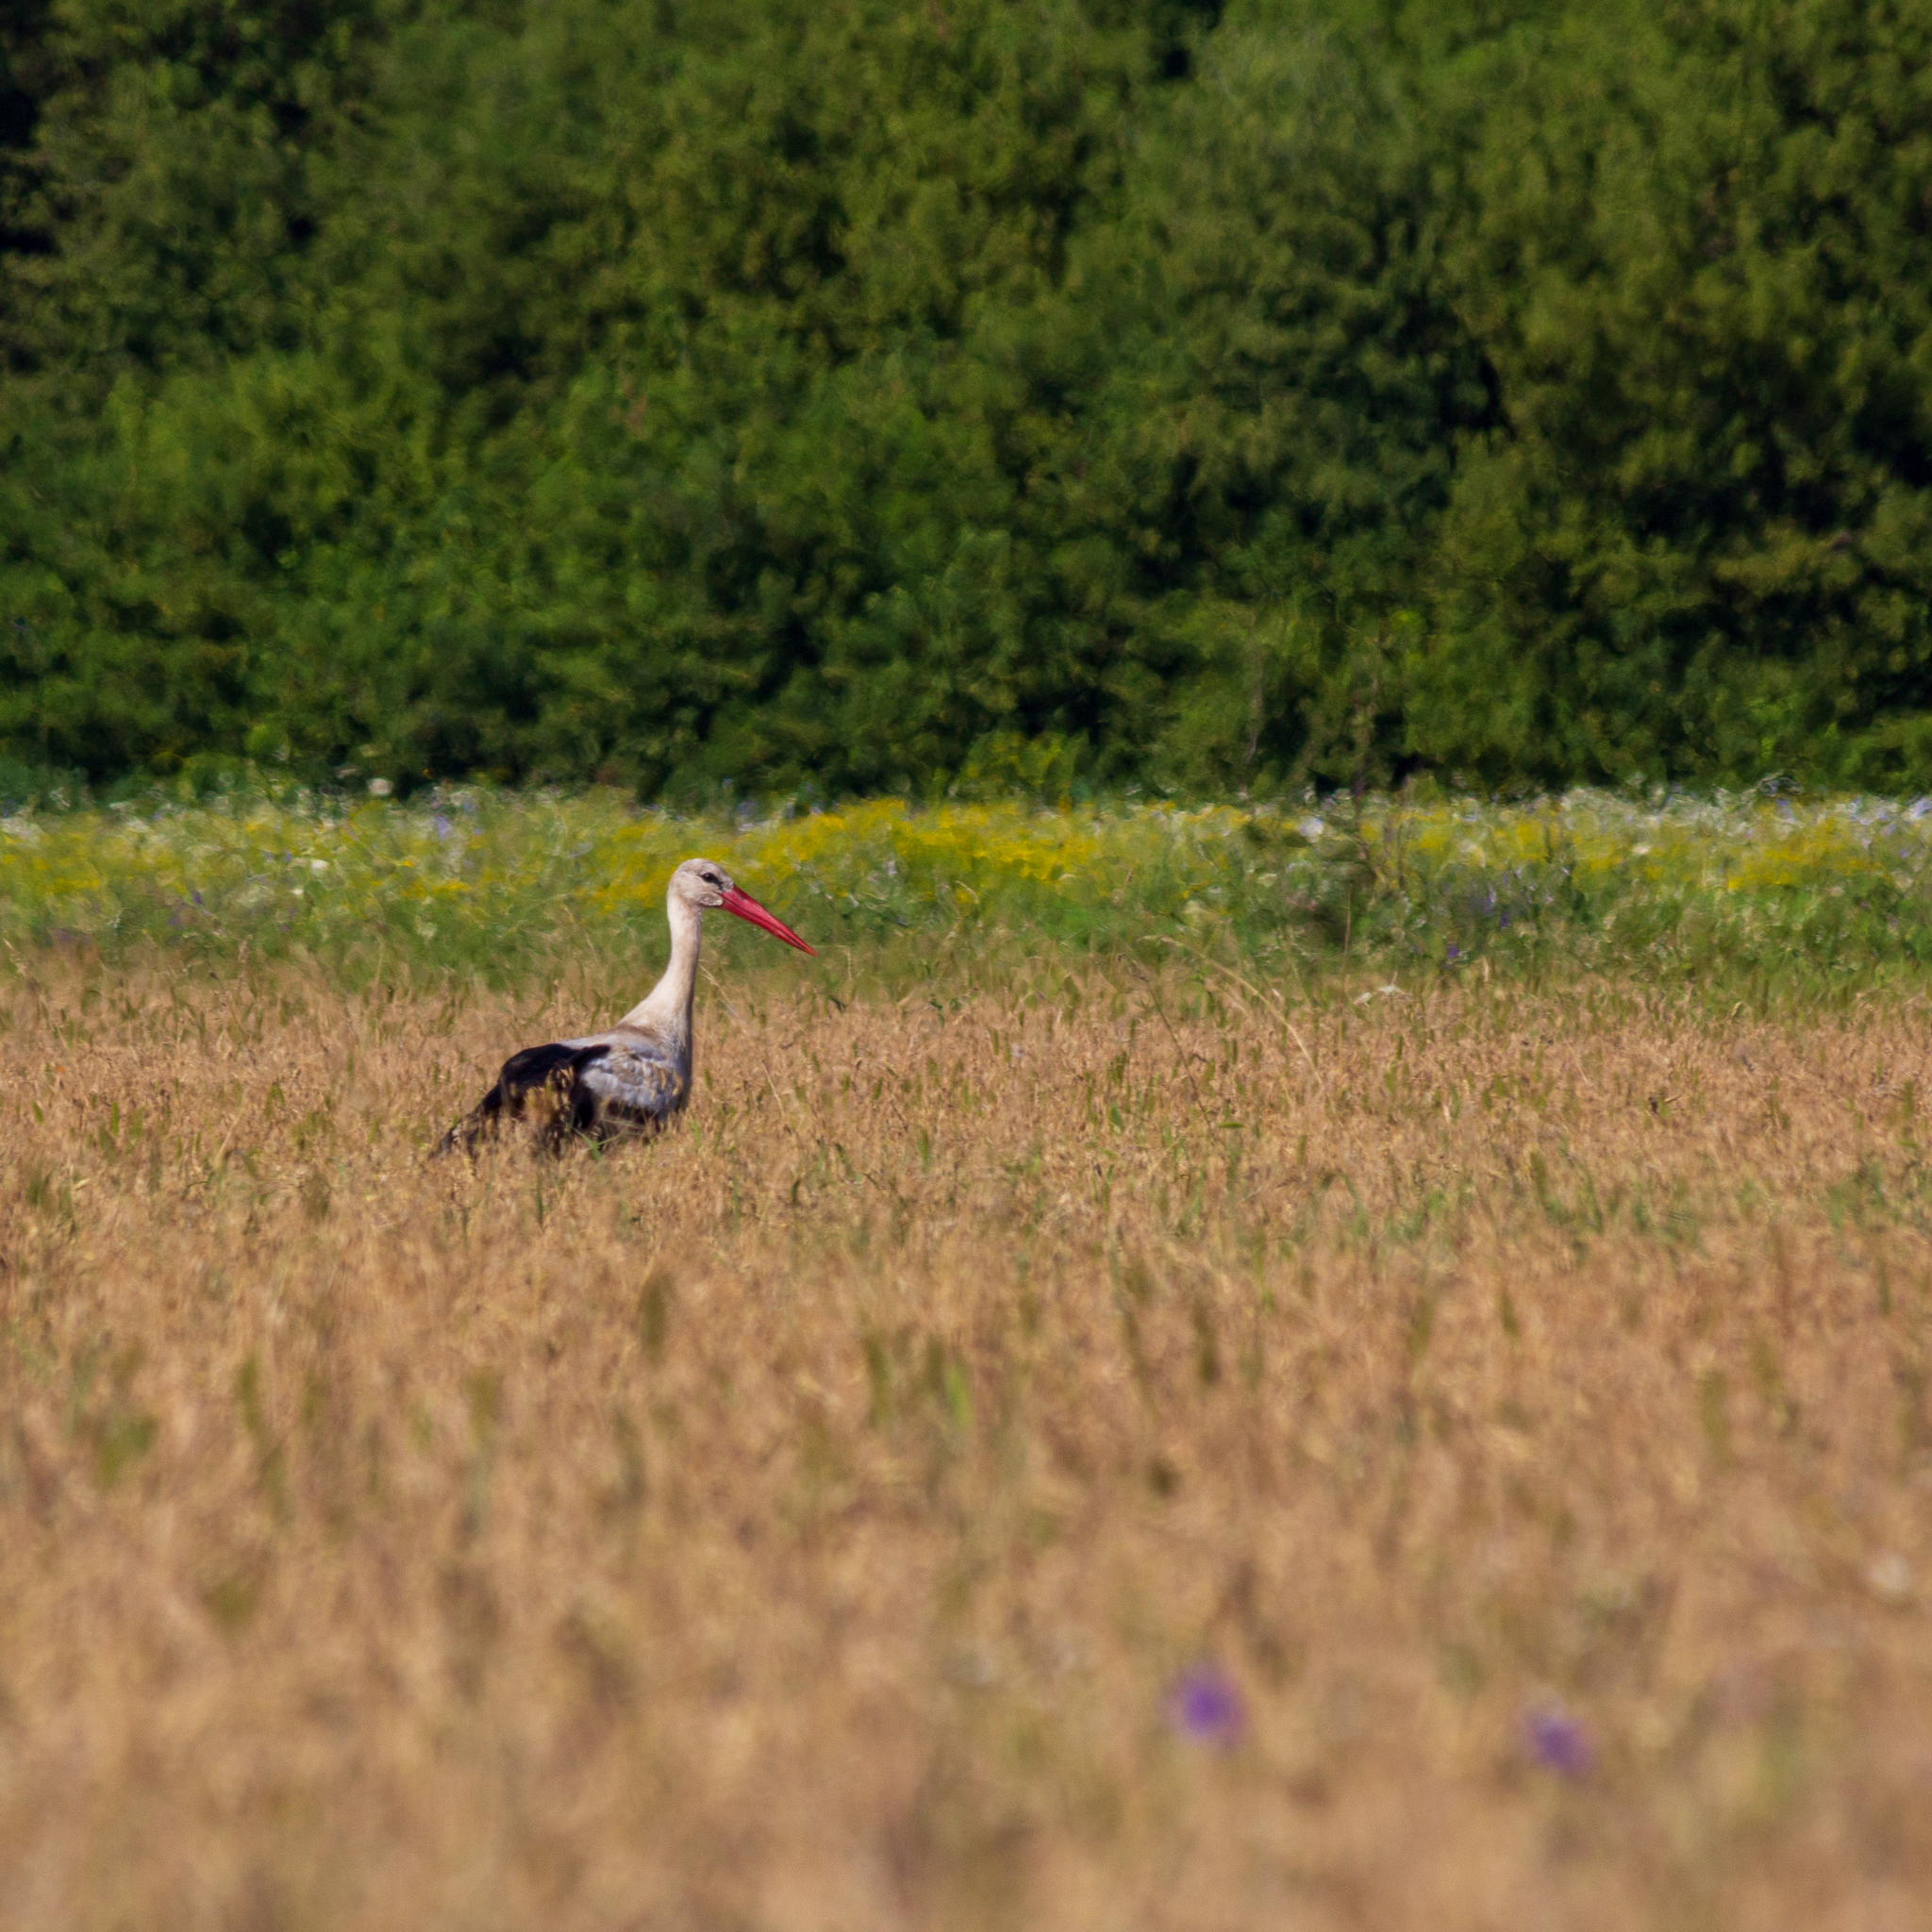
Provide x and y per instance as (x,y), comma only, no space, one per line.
(635,1087)
(545,1076)
(577,1087)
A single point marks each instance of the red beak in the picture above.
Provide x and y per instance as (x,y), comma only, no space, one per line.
(747,908)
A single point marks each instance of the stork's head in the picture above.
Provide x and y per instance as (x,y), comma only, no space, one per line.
(704,883)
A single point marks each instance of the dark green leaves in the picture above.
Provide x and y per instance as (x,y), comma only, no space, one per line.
(784,394)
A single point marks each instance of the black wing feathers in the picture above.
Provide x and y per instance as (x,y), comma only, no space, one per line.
(545,1075)
(535,1065)
(589,1090)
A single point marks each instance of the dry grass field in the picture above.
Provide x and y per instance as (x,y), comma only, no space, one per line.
(1082,1449)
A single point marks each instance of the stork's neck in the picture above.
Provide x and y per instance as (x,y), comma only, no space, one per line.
(665,1010)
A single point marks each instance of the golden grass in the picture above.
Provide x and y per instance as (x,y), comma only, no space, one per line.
(804,1522)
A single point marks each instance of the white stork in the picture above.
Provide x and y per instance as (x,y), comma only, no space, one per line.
(637,1076)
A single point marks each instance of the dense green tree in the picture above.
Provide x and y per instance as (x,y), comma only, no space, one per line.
(1300,385)
(856,394)
(1697,250)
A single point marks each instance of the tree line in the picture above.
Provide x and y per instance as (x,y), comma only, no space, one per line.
(871,394)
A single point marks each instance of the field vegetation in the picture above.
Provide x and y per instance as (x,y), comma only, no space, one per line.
(1269,1423)
(1318,1310)
(1806,893)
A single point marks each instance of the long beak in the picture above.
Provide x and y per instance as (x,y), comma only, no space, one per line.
(747,908)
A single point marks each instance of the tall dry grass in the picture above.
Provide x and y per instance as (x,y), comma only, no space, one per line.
(805,1522)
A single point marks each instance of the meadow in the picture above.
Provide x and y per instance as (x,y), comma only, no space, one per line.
(1359,1366)
(1810,894)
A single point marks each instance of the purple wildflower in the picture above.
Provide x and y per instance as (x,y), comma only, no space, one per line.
(444,828)
(1558,1742)
(1205,1707)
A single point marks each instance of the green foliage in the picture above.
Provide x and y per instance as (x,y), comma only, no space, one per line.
(768,396)
(1697,253)
(1741,895)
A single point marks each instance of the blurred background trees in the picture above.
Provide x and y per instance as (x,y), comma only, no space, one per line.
(766,393)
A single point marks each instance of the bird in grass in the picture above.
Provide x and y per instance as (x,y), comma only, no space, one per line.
(636,1078)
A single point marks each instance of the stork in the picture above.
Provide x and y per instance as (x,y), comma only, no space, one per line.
(636,1078)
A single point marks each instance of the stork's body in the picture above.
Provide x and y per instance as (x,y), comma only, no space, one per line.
(635,1077)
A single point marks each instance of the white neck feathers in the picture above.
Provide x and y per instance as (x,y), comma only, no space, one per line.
(665,1010)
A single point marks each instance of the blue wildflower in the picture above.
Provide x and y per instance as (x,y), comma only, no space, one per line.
(1205,1707)
(1558,1742)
